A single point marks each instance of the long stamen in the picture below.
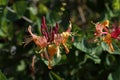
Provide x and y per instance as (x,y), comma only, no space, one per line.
(48,58)
(66,49)
(33,64)
(111,47)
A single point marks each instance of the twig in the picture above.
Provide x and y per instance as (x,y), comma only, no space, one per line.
(23,17)
(81,14)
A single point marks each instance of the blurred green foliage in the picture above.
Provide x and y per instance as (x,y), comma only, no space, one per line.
(2,76)
(86,61)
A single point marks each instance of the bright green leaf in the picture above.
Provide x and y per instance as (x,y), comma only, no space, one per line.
(3,2)
(21,66)
(2,76)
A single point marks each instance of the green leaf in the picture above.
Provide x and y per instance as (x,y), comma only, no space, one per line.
(3,2)
(54,76)
(2,34)
(54,61)
(43,9)
(115,75)
(20,7)
(12,16)
(106,48)
(21,66)
(110,77)
(116,48)
(90,49)
(2,76)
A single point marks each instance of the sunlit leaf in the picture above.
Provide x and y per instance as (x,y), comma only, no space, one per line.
(3,2)
(2,76)
(21,66)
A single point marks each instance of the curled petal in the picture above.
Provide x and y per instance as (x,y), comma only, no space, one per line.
(70,27)
(65,36)
(30,31)
(105,23)
(38,40)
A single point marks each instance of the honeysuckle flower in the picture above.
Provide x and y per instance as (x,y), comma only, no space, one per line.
(101,29)
(107,39)
(63,37)
(50,41)
(40,41)
(115,32)
(105,24)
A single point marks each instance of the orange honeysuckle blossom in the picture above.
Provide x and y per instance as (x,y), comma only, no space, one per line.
(101,29)
(63,37)
(40,41)
(50,41)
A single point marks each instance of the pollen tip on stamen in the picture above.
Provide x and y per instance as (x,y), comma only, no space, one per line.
(93,23)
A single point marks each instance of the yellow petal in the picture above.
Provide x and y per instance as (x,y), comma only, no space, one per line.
(105,23)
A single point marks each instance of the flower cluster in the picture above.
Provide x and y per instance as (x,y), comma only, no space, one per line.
(107,34)
(50,41)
